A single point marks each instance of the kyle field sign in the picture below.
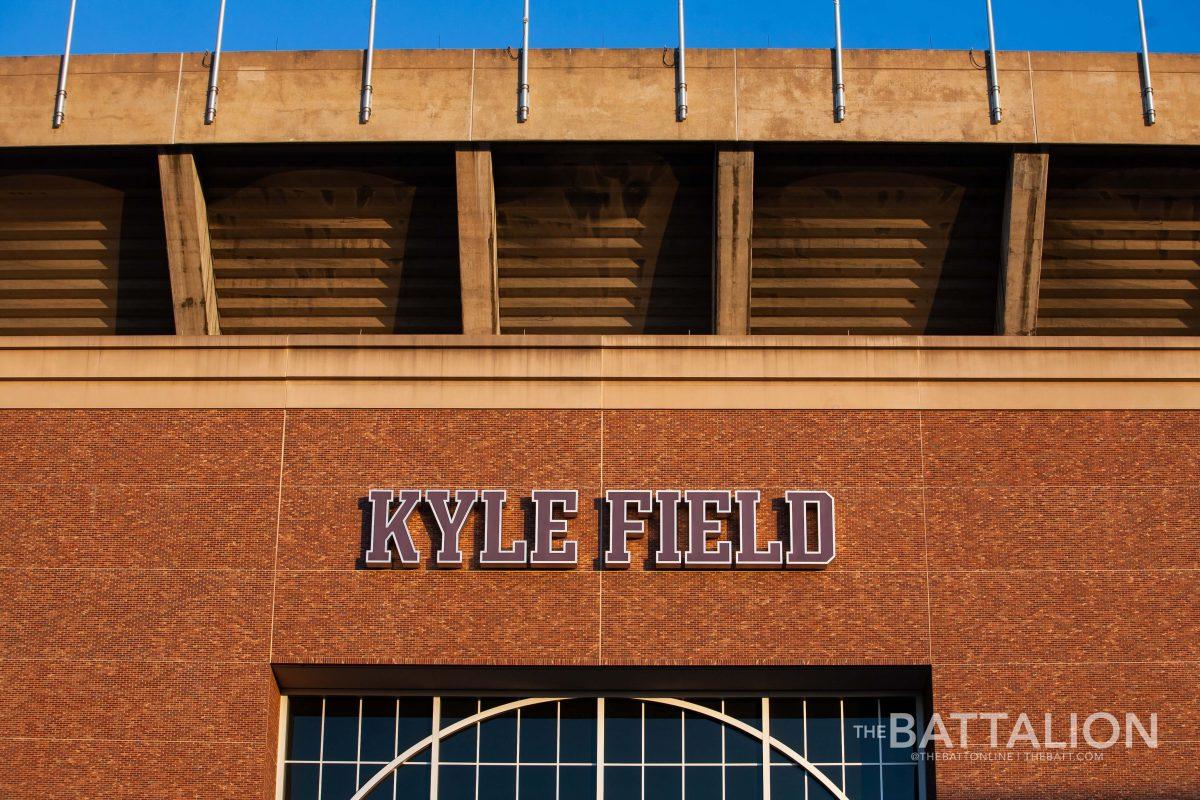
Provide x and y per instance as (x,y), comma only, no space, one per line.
(808,541)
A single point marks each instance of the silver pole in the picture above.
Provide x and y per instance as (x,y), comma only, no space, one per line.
(1148,113)
(839,82)
(523,70)
(60,98)
(681,102)
(364,110)
(993,76)
(210,110)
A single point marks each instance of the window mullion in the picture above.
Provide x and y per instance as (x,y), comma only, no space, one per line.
(358,749)
(921,767)
(435,750)
(804,727)
(642,766)
(842,736)
(682,754)
(599,748)
(766,748)
(724,758)
(879,736)
(518,755)
(395,742)
(321,753)
(478,731)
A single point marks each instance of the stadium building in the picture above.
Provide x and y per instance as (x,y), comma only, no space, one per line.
(628,450)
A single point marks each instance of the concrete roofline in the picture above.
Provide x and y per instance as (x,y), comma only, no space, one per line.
(752,94)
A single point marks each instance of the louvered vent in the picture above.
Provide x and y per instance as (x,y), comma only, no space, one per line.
(348,241)
(82,249)
(605,240)
(1122,246)
(899,242)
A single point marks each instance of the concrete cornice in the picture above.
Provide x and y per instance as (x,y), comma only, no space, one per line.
(600,372)
(600,95)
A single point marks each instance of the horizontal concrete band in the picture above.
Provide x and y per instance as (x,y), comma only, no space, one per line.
(597,95)
(642,372)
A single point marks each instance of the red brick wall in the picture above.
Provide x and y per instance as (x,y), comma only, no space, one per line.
(155,563)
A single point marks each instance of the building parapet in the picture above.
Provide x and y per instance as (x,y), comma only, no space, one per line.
(759,95)
(605,372)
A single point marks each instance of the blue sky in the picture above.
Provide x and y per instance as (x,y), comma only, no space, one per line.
(103,26)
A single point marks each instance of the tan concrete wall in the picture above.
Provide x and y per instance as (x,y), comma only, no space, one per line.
(609,372)
(127,99)
(462,95)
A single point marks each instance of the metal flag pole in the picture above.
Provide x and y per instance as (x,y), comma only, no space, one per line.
(210,109)
(1148,113)
(60,98)
(993,76)
(364,109)
(839,82)
(523,70)
(681,103)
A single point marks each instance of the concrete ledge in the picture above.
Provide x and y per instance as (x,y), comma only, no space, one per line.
(600,95)
(599,372)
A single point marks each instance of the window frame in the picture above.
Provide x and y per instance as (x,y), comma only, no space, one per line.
(769,757)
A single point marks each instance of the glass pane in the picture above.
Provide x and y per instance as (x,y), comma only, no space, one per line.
(703,783)
(577,739)
(899,783)
(664,783)
(577,783)
(622,732)
(338,781)
(304,737)
(900,705)
(536,783)
(664,734)
(860,727)
(459,746)
(787,781)
(539,727)
(341,730)
(740,748)
(497,783)
(412,780)
(383,791)
(824,730)
(456,783)
(817,790)
(862,783)
(620,783)
(702,739)
(498,739)
(378,729)
(787,725)
(300,782)
(743,782)
(414,724)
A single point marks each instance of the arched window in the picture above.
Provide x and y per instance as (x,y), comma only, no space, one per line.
(341,747)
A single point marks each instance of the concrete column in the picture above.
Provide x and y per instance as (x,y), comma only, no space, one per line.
(477,239)
(1024,226)
(189,252)
(734,219)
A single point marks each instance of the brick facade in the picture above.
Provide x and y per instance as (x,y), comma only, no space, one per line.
(156,563)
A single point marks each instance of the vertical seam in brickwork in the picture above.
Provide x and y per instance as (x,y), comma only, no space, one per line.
(600,654)
(925,530)
(279,516)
